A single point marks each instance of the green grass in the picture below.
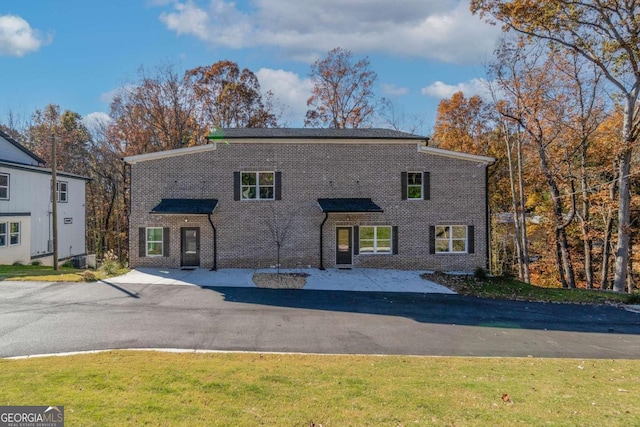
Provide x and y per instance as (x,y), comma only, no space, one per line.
(165,389)
(512,289)
(47,274)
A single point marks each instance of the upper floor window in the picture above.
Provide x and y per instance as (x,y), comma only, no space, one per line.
(4,186)
(62,191)
(416,185)
(249,185)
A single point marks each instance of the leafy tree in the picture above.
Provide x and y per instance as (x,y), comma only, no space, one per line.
(606,33)
(342,95)
(227,97)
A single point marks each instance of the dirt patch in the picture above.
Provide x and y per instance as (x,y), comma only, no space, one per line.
(280,281)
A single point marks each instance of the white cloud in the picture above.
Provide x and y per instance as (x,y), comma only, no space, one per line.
(290,90)
(443,30)
(17,38)
(393,89)
(107,97)
(96,123)
(473,87)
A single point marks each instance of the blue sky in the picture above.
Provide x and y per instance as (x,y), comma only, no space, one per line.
(77,53)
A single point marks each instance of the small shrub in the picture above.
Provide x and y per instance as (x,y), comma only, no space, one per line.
(36,263)
(18,263)
(67,264)
(634,298)
(480,273)
(110,263)
(89,276)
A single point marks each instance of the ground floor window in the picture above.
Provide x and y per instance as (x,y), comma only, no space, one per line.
(3,234)
(451,239)
(154,241)
(14,233)
(375,239)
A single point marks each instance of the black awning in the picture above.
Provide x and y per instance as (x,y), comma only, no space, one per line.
(185,207)
(348,205)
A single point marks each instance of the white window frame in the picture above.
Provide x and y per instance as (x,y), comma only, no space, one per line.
(4,234)
(420,186)
(5,187)
(147,241)
(257,186)
(450,239)
(60,193)
(15,233)
(375,240)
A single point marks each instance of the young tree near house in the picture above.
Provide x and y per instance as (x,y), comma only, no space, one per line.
(342,95)
(279,225)
(607,33)
(227,97)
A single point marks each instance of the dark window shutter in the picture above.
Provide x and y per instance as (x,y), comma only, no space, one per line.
(165,242)
(470,239)
(356,240)
(278,182)
(403,180)
(394,237)
(432,239)
(426,186)
(142,242)
(236,186)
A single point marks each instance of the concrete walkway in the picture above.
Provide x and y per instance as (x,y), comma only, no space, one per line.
(357,279)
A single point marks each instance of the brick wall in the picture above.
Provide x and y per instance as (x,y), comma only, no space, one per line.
(310,171)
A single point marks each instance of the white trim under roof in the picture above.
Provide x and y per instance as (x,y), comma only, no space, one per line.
(169,153)
(455,154)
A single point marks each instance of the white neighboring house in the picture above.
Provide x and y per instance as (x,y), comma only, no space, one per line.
(26,230)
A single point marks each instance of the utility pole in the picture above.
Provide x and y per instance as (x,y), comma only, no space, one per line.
(54,201)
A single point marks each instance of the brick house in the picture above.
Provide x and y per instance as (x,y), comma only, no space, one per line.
(318,197)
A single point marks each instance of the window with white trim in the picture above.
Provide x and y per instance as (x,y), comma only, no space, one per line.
(3,234)
(14,233)
(414,185)
(62,191)
(257,185)
(451,239)
(4,186)
(154,241)
(375,239)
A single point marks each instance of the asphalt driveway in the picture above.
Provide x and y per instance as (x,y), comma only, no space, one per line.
(38,318)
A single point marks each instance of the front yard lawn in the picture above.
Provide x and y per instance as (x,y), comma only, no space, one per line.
(48,274)
(126,388)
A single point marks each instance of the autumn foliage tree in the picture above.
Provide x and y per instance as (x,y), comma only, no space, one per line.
(606,33)
(342,95)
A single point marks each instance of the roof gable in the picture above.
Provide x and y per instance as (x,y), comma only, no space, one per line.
(15,152)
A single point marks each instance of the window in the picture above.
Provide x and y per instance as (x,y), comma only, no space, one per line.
(154,241)
(375,239)
(14,233)
(3,234)
(258,185)
(4,186)
(451,239)
(62,191)
(414,185)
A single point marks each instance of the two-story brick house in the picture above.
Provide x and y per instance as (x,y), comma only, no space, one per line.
(26,221)
(326,197)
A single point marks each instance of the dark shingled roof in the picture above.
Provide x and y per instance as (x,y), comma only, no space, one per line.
(297,133)
(348,205)
(185,206)
(21,147)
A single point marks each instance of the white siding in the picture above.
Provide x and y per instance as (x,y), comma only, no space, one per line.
(11,153)
(30,193)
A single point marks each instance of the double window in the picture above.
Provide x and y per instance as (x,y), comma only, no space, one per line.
(4,186)
(9,234)
(257,185)
(375,239)
(452,239)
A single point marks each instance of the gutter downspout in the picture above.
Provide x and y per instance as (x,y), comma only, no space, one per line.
(215,244)
(326,216)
